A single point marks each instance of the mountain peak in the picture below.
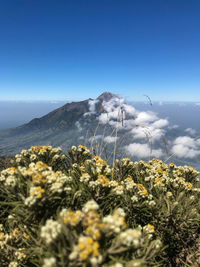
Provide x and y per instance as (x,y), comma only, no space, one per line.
(106,96)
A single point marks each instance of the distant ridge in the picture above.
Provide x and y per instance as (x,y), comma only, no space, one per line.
(54,128)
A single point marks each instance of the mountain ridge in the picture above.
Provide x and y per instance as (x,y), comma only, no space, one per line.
(55,123)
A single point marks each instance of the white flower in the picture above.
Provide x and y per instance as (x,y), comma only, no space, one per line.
(130,237)
(13,264)
(119,190)
(85,178)
(117,264)
(33,157)
(90,205)
(95,261)
(49,262)
(10,181)
(152,203)
(116,221)
(134,199)
(29,201)
(50,231)
(169,194)
(157,244)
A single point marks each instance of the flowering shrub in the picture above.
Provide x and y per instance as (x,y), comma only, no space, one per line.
(77,210)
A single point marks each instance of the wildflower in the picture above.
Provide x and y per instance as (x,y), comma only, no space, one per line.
(87,246)
(91,218)
(113,183)
(10,181)
(73,148)
(2,236)
(115,222)
(119,190)
(15,234)
(158,180)
(117,264)
(82,147)
(70,217)
(103,180)
(37,191)
(134,199)
(90,205)
(169,194)
(142,189)
(49,262)
(188,186)
(20,255)
(26,236)
(13,264)
(30,201)
(131,237)
(94,231)
(149,228)
(85,177)
(152,203)
(50,231)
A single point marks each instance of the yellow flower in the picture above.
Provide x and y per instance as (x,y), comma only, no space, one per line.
(82,147)
(103,180)
(37,191)
(73,218)
(158,180)
(26,236)
(142,189)
(87,247)
(12,169)
(151,227)
(129,179)
(41,165)
(15,234)
(42,151)
(126,159)
(188,185)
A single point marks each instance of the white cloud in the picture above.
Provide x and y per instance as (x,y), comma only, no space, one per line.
(78,125)
(110,139)
(190,131)
(145,117)
(94,138)
(140,124)
(160,123)
(143,150)
(197,104)
(103,118)
(186,147)
(92,105)
(175,126)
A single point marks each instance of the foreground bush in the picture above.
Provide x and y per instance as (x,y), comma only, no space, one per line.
(76,210)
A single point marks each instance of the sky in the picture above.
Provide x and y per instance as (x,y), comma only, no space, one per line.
(77,49)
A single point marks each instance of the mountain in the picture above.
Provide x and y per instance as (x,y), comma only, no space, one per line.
(61,127)
(108,120)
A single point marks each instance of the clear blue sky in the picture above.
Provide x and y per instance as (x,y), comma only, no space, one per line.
(76,49)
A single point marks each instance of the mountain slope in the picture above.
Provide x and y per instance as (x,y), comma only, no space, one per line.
(58,127)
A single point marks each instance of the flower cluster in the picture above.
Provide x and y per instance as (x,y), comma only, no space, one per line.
(78,210)
(50,231)
(46,154)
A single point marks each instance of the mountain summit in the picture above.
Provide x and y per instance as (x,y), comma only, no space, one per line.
(59,127)
(106,96)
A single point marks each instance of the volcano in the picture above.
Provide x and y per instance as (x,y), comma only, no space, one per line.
(61,127)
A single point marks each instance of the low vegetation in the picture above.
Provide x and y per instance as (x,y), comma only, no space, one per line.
(77,210)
